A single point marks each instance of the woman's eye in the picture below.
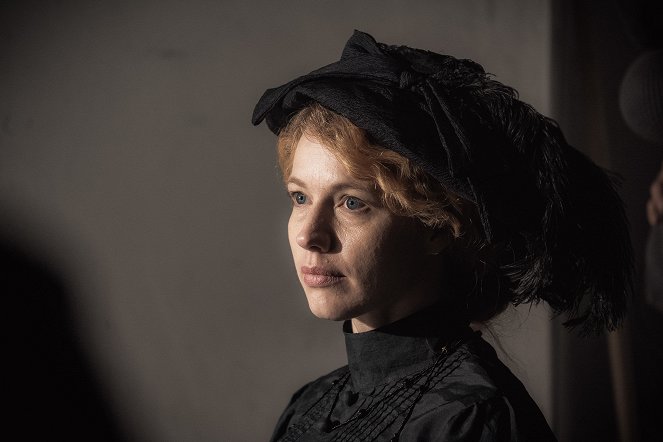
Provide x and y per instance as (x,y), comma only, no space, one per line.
(298,197)
(353,203)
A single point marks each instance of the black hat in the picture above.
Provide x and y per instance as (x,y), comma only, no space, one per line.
(560,224)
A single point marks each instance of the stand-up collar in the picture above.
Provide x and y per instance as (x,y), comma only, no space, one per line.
(398,349)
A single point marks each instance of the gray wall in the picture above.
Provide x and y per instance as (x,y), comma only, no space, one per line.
(127,159)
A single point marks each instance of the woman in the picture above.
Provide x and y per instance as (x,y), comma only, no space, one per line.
(426,197)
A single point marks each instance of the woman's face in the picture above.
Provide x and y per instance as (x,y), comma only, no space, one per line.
(355,259)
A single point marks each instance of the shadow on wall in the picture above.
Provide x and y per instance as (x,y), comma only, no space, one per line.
(51,389)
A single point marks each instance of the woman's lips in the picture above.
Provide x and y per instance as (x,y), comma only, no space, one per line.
(320,277)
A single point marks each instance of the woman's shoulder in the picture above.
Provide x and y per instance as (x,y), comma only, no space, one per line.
(476,373)
(480,395)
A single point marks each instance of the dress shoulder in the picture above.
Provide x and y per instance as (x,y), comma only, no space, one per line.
(480,400)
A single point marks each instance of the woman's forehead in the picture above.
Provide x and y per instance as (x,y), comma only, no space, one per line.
(314,161)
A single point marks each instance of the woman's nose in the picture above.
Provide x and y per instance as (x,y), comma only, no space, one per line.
(316,232)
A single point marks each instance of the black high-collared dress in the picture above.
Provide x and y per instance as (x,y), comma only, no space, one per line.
(418,379)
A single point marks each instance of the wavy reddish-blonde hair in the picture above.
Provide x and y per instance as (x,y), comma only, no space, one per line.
(405,188)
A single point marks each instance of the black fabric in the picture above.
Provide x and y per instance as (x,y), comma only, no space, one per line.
(415,380)
(551,218)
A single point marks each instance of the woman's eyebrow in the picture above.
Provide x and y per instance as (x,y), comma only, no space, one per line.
(365,186)
(295,180)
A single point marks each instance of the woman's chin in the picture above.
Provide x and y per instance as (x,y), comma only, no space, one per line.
(326,313)
(329,311)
